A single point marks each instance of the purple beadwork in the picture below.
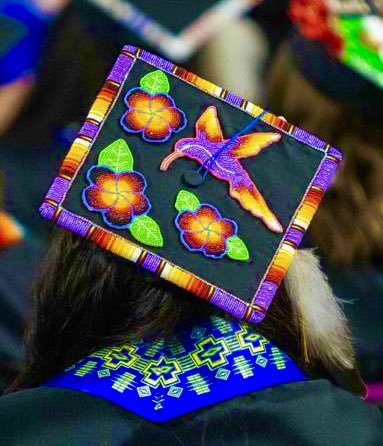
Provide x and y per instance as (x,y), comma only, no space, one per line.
(326,174)
(229,303)
(47,211)
(74,223)
(58,190)
(309,139)
(121,68)
(151,262)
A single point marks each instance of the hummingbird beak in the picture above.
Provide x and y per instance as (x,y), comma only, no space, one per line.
(165,164)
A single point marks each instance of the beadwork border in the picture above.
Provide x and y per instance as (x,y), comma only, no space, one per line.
(176,46)
(52,209)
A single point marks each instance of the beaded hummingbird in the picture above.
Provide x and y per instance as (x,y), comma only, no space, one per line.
(221,158)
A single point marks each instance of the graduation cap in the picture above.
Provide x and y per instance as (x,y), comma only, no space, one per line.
(174,27)
(339,48)
(191,182)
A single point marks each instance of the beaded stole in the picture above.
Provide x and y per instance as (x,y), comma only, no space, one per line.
(206,364)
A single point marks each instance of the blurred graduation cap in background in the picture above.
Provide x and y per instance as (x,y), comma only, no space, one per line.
(175,28)
(338,47)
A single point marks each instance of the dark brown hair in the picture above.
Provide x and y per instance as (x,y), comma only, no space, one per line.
(349,224)
(87,298)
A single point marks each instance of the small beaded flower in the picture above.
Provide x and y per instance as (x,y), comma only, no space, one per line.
(118,196)
(205,230)
(154,116)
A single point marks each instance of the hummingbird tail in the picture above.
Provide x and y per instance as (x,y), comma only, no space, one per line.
(252,201)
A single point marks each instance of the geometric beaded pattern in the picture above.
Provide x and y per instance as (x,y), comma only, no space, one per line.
(213,361)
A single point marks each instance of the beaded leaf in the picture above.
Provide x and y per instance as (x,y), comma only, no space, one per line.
(155,82)
(237,249)
(117,156)
(186,201)
(147,230)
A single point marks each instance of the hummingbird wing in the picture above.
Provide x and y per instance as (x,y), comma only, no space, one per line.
(251,199)
(251,145)
(242,188)
(208,126)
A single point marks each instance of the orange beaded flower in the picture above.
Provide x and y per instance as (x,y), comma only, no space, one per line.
(119,197)
(154,116)
(206,231)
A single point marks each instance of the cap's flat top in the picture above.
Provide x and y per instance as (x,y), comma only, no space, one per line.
(129,183)
(281,187)
(176,15)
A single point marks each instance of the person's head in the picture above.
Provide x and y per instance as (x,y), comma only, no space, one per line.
(87,298)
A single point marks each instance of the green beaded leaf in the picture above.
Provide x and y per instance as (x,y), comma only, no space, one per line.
(237,250)
(186,201)
(146,230)
(117,156)
(155,82)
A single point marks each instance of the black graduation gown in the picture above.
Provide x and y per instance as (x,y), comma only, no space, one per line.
(361,286)
(216,382)
(301,413)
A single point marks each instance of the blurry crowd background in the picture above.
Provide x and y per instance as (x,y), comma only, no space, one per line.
(54,57)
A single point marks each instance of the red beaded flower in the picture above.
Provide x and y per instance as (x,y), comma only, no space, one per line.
(119,197)
(312,18)
(155,116)
(206,231)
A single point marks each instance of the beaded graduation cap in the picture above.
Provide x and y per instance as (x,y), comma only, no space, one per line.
(352,31)
(191,182)
(174,27)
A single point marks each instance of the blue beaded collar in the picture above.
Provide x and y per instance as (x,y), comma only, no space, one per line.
(214,361)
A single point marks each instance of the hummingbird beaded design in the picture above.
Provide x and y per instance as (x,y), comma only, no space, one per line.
(206,148)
